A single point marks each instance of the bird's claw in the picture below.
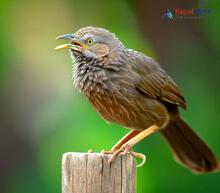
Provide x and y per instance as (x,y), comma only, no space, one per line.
(90,151)
(140,156)
(107,151)
(119,152)
(124,150)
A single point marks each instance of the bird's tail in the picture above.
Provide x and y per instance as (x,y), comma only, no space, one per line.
(188,148)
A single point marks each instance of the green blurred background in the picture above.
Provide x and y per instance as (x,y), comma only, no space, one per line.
(42,116)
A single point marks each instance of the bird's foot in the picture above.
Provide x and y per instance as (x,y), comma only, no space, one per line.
(126,148)
(121,151)
(107,151)
(90,151)
(117,152)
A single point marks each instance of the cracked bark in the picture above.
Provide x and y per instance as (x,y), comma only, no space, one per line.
(91,173)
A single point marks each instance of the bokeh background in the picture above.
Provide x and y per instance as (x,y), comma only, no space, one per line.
(42,116)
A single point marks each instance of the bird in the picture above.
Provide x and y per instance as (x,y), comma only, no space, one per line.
(130,89)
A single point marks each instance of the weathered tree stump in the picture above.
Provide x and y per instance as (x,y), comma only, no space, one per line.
(91,173)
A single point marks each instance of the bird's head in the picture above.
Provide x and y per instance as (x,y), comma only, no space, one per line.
(91,42)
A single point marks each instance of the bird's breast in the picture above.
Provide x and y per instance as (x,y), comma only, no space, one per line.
(89,79)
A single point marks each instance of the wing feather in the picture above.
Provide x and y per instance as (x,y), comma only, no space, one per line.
(155,82)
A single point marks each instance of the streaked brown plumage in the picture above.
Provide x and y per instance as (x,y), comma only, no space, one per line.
(128,88)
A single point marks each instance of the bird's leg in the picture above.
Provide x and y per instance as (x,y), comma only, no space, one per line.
(123,140)
(127,146)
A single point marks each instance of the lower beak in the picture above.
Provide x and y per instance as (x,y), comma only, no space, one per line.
(76,44)
(67,46)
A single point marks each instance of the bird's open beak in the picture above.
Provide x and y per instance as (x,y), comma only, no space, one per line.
(75,43)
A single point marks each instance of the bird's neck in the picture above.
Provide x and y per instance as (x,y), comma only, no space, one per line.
(91,75)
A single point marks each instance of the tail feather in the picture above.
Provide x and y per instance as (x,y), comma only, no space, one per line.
(188,148)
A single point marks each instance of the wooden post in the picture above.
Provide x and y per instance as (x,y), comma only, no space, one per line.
(91,173)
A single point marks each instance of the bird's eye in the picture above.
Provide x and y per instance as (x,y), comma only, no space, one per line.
(90,41)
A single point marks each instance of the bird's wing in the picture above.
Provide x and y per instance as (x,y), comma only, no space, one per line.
(155,83)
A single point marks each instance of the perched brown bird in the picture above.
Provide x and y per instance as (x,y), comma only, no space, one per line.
(131,89)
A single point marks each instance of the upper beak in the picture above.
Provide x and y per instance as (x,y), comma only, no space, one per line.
(75,45)
(65,36)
